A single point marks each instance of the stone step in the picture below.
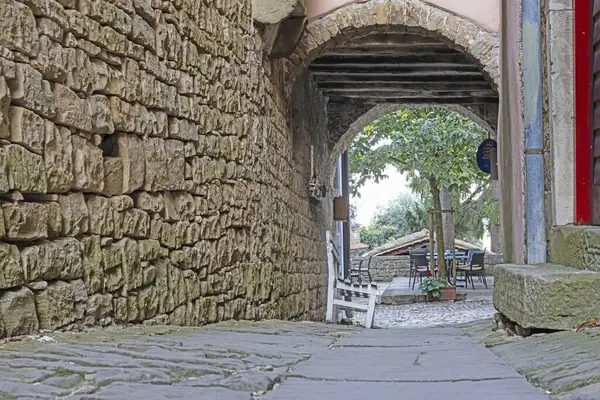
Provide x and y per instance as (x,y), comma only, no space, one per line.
(546,296)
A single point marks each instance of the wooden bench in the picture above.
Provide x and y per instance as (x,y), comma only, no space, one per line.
(338,289)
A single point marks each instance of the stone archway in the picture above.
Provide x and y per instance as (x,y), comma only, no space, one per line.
(412,16)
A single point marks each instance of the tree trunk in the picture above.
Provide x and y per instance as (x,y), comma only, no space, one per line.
(439,230)
(447,219)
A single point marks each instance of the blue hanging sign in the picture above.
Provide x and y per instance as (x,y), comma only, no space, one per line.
(484,155)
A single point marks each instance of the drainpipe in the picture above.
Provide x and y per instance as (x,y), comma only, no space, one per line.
(346,225)
(534,138)
(340,225)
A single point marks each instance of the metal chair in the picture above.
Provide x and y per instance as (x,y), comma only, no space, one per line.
(357,272)
(411,258)
(421,268)
(475,267)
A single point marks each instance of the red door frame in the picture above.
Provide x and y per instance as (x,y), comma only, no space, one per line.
(583,110)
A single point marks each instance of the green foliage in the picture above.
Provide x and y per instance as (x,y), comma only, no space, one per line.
(433,286)
(406,213)
(426,143)
(376,235)
(433,142)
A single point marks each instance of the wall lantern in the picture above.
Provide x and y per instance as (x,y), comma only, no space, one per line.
(340,209)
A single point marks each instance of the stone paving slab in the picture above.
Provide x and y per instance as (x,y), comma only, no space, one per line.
(270,360)
(295,389)
(229,361)
(567,364)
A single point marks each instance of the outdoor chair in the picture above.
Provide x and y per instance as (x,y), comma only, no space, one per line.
(411,259)
(338,289)
(421,268)
(474,267)
(357,272)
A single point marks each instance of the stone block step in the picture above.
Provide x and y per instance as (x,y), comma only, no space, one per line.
(546,296)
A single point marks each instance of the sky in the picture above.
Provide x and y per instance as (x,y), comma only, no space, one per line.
(374,196)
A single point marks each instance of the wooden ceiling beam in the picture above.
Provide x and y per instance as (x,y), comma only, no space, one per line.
(361,100)
(387,85)
(383,92)
(411,78)
(425,58)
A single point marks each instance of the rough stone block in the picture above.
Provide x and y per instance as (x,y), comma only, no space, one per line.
(136,223)
(17,27)
(546,296)
(131,264)
(26,170)
(51,260)
(165,165)
(88,166)
(151,202)
(93,259)
(54,219)
(76,218)
(182,129)
(25,221)
(5,98)
(52,60)
(101,121)
(11,270)
(29,90)
(178,206)
(101,215)
(55,305)
(58,158)
(149,249)
(142,33)
(4,185)
(121,203)
(27,129)
(113,176)
(18,312)
(131,151)
(99,310)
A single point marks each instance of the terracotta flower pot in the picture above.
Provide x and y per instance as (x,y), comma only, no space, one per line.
(448,294)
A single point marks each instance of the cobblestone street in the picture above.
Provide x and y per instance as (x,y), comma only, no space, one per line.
(270,360)
(420,315)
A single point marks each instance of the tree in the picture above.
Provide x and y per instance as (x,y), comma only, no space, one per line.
(376,235)
(434,147)
(402,216)
(406,213)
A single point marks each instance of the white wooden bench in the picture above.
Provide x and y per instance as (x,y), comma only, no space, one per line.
(338,289)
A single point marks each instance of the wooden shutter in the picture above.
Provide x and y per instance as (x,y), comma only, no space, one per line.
(596,114)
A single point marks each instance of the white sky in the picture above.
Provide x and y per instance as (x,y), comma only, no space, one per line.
(374,196)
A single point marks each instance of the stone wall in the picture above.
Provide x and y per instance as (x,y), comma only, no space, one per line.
(147,169)
(386,268)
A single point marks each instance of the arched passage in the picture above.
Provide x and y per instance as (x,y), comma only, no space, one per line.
(411,16)
(371,57)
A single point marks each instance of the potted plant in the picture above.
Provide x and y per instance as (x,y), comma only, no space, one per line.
(437,290)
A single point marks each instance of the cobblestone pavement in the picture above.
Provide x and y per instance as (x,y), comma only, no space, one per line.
(269,360)
(421,315)
(478,306)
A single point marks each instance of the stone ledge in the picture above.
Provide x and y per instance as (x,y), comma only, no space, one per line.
(575,246)
(546,296)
